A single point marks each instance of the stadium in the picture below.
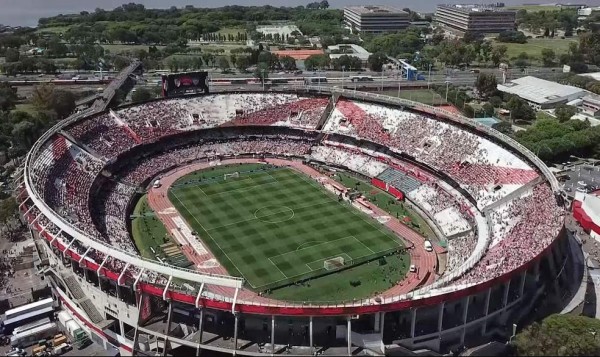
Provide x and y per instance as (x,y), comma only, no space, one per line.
(209,223)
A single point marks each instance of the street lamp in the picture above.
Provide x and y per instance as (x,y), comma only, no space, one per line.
(447,82)
(343,68)
(429,77)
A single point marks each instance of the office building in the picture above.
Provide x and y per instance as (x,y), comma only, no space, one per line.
(375,18)
(460,19)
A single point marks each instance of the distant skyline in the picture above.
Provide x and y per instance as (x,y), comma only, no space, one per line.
(27,12)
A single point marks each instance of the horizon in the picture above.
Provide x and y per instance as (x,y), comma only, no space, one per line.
(28,12)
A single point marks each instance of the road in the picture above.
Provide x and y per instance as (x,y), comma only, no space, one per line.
(455,76)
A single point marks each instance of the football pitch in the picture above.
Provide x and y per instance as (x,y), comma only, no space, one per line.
(274,226)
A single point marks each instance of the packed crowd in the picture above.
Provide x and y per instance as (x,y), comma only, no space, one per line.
(111,214)
(354,160)
(301,113)
(104,135)
(534,222)
(64,173)
(474,162)
(149,167)
(459,250)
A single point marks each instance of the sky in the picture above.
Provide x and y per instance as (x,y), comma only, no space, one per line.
(27,12)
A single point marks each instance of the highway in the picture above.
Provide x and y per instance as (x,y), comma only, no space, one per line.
(454,76)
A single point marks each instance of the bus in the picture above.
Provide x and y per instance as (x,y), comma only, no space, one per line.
(361,79)
(25,309)
(313,80)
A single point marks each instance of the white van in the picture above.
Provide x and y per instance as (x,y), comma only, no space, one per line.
(428,246)
(413,268)
(156,184)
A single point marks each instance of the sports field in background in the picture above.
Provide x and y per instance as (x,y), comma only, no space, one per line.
(274,226)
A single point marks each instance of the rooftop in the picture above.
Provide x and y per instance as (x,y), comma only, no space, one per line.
(539,90)
(372,9)
(476,7)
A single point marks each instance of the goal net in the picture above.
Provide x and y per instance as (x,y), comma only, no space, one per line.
(231,175)
(334,263)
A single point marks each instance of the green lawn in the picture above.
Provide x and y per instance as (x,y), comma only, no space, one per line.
(534,46)
(274,226)
(386,202)
(149,234)
(55,30)
(26,107)
(425,96)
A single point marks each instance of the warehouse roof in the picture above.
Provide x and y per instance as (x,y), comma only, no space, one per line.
(539,90)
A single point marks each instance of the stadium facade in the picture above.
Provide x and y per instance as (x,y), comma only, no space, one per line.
(141,306)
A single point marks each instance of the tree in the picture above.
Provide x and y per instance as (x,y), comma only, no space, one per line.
(564,112)
(25,133)
(495,101)
(262,72)
(242,63)
(512,37)
(519,109)
(488,109)
(469,111)
(12,55)
(486,50)
(560,335)
(376,61)
(498,54)
(8,209)
(141,95)
(8,96)
(486,84)
(503,127)
(63,103)
(316,62)
(288,63)
(47,97)
(522,60)
(548,57)
(223,64)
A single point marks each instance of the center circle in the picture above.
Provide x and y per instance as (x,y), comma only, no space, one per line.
(274,214)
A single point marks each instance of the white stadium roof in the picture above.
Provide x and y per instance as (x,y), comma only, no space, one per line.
(541,91)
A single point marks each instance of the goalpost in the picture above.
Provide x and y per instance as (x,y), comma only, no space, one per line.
(334,263)
(232,175)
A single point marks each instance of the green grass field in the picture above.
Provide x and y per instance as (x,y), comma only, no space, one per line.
(274,226)
(149,234)
(425,96)
(534,46)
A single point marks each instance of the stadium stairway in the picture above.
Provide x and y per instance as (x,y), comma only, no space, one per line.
(82,146)
(326,113)
(82,300)
(519,191)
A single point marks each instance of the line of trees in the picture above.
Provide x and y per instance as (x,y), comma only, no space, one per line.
(134,24)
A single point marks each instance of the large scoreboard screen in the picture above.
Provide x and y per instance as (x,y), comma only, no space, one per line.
(185,83)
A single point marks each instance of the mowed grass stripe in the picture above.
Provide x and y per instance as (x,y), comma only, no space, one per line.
(245,223)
